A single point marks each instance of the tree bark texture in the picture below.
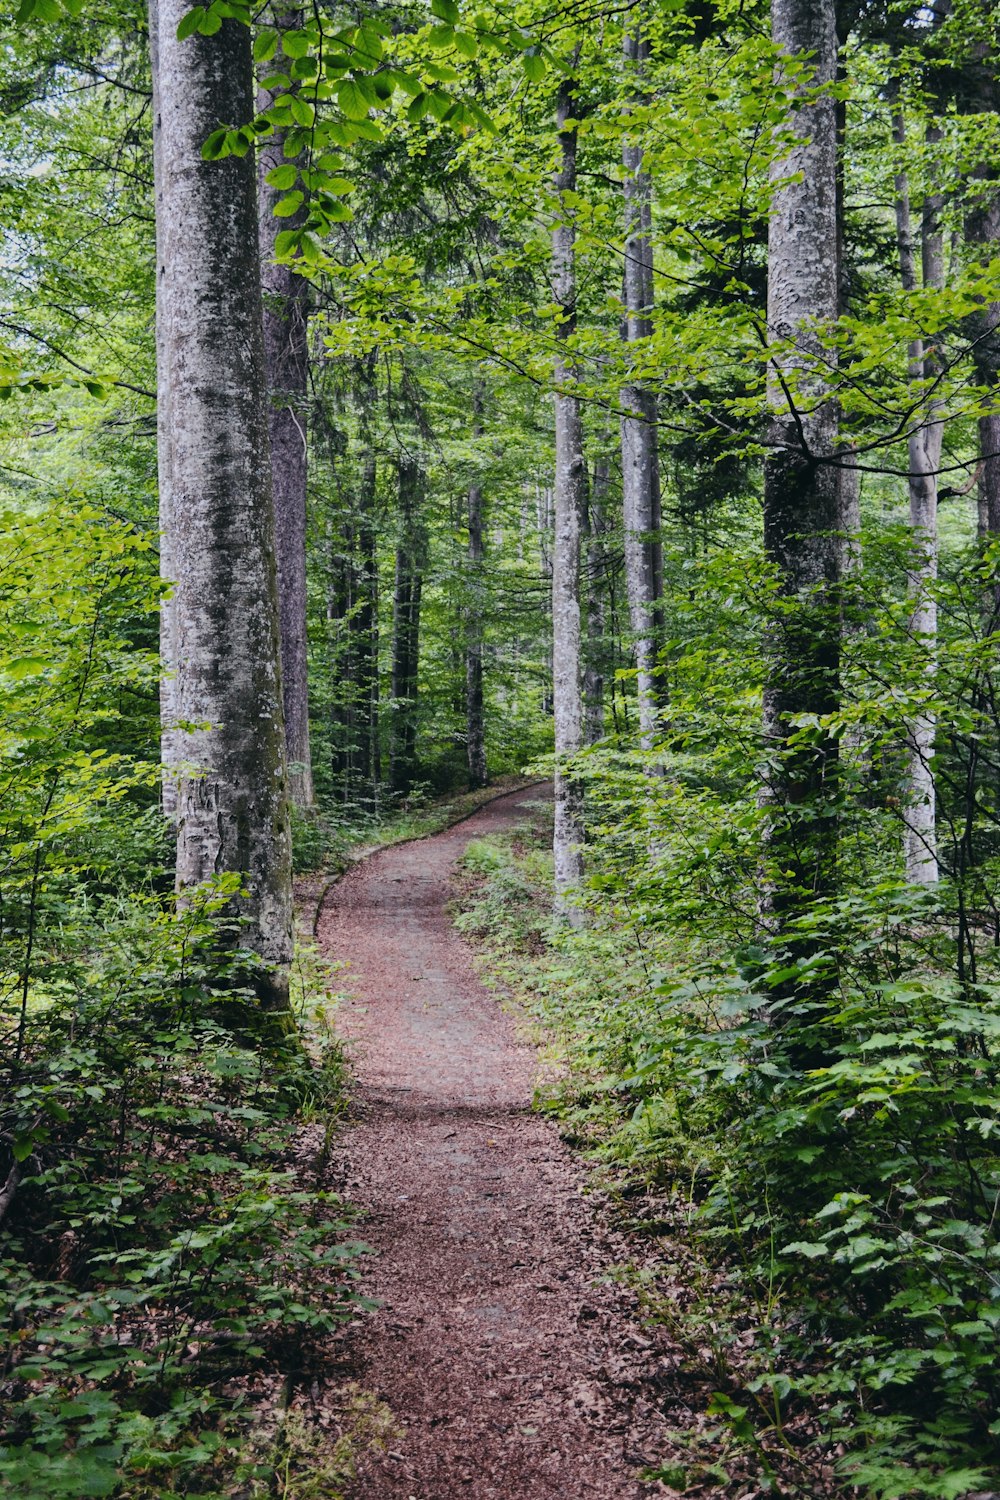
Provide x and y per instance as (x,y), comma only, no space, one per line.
(286,351)
(474,714)
(596,571)
(924,462)
(569,501)
(232,785)
(410,560)
(982,233)
(168,655)
(367,632)
(640,469)
(801,487)
(475,725)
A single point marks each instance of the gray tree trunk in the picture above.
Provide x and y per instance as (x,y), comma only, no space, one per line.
(570,494)
(474,715)
(232,783)
(801,487)
(982,233)
(168,656)
(286,350)
(543,512)
(640,470)
(924,462)
(410,558)
(597,563)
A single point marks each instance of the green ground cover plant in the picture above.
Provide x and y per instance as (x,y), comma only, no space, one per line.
(821,1107)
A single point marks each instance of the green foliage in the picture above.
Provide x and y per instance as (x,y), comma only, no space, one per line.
(161,1243)
(826,1097)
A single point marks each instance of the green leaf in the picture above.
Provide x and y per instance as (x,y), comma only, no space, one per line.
(303,112)
(286,242)
(216,146)
(265,44)
(534,65)
(445,10)
(294,44)
(369,45)
(353,100)
(191,23)
(285,207)
(283,178)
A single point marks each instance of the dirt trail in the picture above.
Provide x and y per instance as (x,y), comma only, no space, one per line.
(515,1372)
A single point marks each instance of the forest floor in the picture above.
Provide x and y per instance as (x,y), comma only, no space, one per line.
(515,1363)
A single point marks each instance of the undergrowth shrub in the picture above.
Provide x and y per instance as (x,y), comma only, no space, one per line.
(820,1100)
(168,1247)
(172,1260)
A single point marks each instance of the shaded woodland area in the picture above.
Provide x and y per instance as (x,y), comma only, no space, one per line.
(400,399)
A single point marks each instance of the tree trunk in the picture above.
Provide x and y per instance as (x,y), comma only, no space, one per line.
(474,717)
(232,811)
(801,487)
(406,630)
(169,755)
(570,488)
(367,632)
(597,563)
(640,473)
(982,233)
(367,622)
(286,350)
(924,461)
(543,512)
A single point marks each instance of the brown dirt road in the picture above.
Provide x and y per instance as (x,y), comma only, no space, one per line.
(515,1371)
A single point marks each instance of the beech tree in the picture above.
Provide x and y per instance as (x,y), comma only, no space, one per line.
(226,739)
(924,462)
(286,352)
(802,519)
(475,724)
(568,502)
(640,468)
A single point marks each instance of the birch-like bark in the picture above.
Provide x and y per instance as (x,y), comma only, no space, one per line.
(232,790)
(924,462)
(367,633)
(168,654)
(801,489)
(410,559)
(593,676)
(982,233)
(475,725)
(543,513)
(640,471)
(570,494)
(286,351)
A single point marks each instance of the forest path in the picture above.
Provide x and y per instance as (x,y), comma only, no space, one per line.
(515,1372)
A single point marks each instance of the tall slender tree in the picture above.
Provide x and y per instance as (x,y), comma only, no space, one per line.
(475,725)
(924,463)
(286,350)
(230,769)
(640,469)
(411,547)
(802,521)
(570,495)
